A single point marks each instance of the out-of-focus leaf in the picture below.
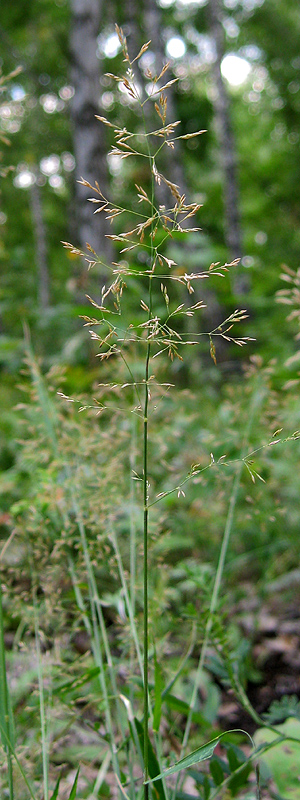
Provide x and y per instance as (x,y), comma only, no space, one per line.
(284,758)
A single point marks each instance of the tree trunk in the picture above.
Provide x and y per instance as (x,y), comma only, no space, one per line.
(232,224)
(39,232)
(144,21)
(153,25)
(88,134)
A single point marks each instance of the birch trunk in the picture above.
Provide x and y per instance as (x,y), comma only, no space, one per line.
(40,237)
(144,20)
(232,223)
(88,134)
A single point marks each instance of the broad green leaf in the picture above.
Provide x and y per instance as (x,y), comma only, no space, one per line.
(217,772)
(233,760)
(239,779)
(206,787)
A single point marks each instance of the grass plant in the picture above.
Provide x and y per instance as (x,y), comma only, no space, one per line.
(101,494)
(158,335)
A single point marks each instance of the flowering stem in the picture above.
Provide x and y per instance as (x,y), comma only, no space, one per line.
(146,520)
(145,487)
(146,492)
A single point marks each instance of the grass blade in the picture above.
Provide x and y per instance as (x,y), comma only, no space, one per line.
(198,755)
(55,793)
(72,794)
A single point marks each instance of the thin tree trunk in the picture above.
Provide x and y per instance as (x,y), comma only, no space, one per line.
(232,223)
(143,19)
(153,25)
(40,237)
(88,134)
(145,22)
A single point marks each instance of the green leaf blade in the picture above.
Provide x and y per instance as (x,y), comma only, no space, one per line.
(200,754)
(55,793)
(72,794)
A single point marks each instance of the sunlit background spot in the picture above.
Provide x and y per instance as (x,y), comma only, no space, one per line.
(110,46)
(50,165)
(235,69)
(24,179)
(175,47)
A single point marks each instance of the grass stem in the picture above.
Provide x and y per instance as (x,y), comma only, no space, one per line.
(5,712)
(145,570)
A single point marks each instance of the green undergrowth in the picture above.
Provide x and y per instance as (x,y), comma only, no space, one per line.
(73,469)
(76,470)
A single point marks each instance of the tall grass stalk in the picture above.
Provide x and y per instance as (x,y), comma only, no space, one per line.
(157,335)
(133,532)
(145,469)
(145,555)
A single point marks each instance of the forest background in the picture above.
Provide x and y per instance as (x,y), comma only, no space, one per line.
(237,70)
